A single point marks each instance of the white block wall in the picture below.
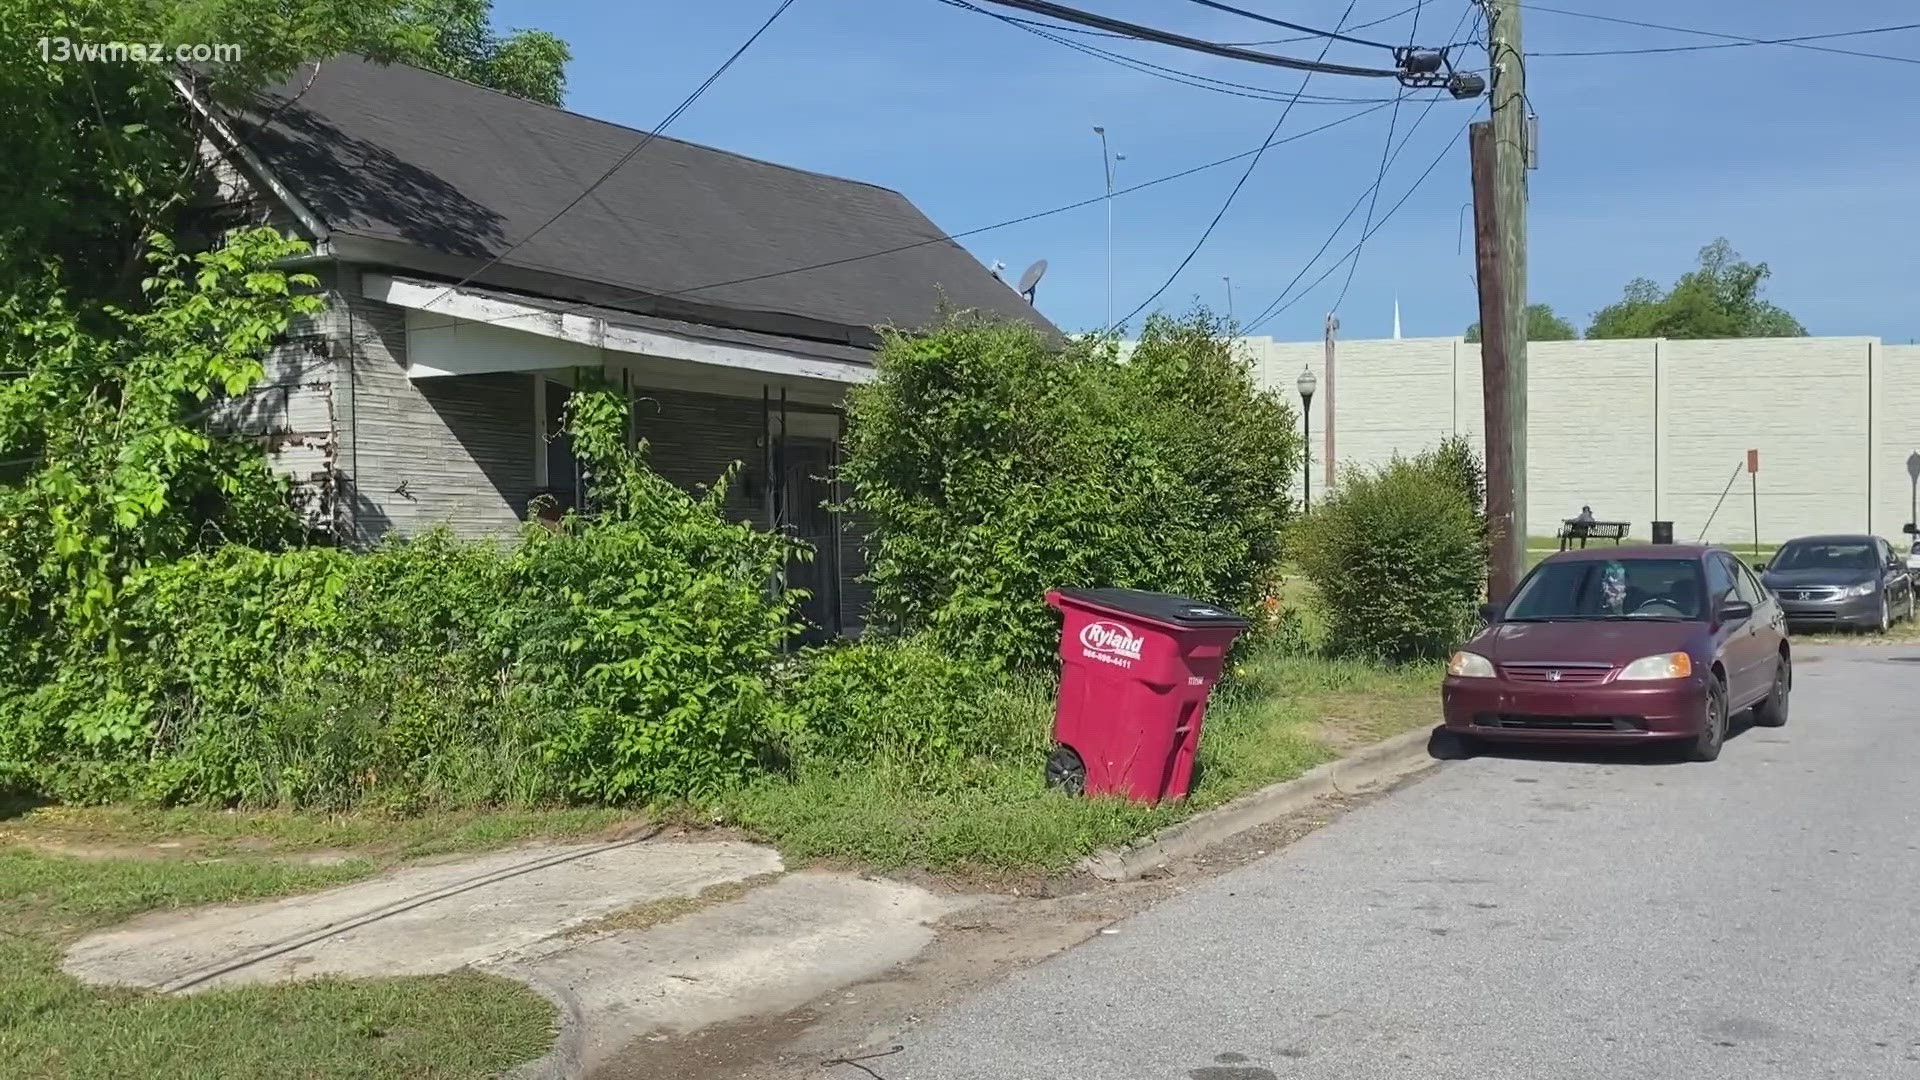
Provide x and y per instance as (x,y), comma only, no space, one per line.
(1897,431)
(1649,429)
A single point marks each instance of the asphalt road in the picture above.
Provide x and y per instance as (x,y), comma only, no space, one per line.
(1538,916)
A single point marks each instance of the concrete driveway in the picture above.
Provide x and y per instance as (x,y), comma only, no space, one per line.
(1528,916)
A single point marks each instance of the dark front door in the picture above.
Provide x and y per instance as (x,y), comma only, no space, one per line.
(805,492)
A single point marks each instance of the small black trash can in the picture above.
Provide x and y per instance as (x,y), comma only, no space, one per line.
(1663,532)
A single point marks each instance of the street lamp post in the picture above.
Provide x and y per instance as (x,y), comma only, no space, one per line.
(1306,384)
(1107,161)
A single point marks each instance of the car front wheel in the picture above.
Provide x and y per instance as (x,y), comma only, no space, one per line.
(1773,711)
(1713,730)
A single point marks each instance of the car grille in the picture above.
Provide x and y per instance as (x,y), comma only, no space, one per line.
(1527,722)
(1563,674)
(1822,593)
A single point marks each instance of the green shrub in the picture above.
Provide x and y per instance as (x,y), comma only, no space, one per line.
(624,659)
(903,704)
(1397,557)
(1456,461)
(994,464)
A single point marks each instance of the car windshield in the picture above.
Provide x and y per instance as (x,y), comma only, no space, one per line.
(1827,555)
(1609,589)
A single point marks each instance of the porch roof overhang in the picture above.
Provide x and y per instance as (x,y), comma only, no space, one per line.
(435,306)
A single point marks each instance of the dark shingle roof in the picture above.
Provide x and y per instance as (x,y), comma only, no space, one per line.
(395,153)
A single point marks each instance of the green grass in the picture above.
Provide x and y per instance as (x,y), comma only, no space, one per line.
(1280,717)
(1901,633)
(53,1026)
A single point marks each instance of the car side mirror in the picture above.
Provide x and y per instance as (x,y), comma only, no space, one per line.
(1491,612)
(1759,568)
(1734,611)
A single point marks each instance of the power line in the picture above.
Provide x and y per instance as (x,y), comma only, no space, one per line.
(943,237)
(1242,182)
(1744,44)
(1173,75)
(1334,234)
(645,140)
(1309,31)
(1386,151)
(1724,37)
(1368,195)
(1086,32)
(1181,41)
(1381,224)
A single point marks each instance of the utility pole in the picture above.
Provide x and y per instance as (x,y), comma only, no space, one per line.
(1510,160)
(1502,572)
(1229,280)
(1333,327)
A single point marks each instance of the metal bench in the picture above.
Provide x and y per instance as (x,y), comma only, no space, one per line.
(1572,529)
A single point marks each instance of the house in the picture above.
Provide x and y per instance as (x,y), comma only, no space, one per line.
(734,299)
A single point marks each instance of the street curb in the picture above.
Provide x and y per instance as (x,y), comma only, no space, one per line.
(567,1059)
(1371,768)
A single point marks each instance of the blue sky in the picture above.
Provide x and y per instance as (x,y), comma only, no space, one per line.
(1805,160)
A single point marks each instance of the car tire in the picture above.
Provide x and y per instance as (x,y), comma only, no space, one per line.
(1713,734)
(1772,711)
(1886,614)
(1446,744)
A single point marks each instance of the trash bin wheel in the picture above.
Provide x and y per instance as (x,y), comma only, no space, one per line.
(1066,771)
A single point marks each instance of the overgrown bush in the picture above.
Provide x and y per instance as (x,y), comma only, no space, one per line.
(902,704)
(1398,557)
(1456,460)
(624,658)
(995,464)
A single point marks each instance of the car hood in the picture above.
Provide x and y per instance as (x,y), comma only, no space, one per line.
(1802,579)
(1615,643)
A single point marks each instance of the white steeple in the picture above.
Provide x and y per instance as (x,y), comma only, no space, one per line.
(1396,318)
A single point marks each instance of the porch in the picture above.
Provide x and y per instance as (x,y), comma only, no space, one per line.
(493,372)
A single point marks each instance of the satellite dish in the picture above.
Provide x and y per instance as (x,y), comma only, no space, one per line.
(1030,280)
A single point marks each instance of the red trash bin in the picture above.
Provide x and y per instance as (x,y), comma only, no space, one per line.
(1136,669)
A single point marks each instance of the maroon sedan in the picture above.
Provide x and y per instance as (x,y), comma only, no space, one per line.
(1624,645)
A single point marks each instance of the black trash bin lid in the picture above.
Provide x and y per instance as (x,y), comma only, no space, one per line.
(1160,607)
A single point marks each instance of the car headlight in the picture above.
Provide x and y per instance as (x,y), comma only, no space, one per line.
(1865,588)
(1677,665)
(1470,666)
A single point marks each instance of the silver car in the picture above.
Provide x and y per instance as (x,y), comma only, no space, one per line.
(1841,581)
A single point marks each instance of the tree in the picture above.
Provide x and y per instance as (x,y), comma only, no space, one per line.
(101,154)
(1718,299)
(993,464)
(455,37)
(117,341)
(1542,325)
